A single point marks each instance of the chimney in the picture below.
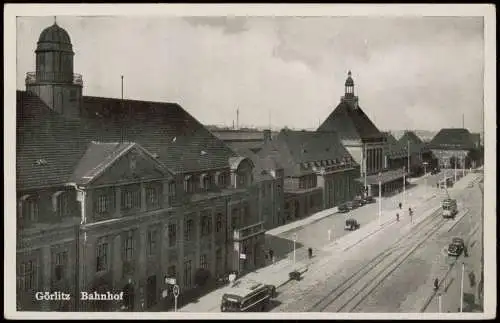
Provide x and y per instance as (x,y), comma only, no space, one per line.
(267,135)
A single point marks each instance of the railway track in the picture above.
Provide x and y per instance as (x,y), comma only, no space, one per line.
(354,289)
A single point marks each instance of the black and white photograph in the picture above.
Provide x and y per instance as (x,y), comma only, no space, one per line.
(286,161)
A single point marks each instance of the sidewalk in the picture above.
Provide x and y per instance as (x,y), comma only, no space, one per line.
(277,273)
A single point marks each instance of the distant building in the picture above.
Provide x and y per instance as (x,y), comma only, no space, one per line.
(365,143)
(453,145)
(396,154)
(319,173)
(114,195)
(243,139)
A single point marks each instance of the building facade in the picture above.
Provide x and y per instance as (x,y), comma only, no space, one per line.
(319,172)
(454,147)
(114,196)
(365,143)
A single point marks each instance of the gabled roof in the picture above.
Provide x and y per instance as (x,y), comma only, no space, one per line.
(452,139)
(179,141)
(99,156)
(394,147)
(292,148)
(350,123)
(416,144)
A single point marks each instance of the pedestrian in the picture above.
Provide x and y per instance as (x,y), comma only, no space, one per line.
(310,252)
(436,284)
(397,217)
(400,205)
(271,253)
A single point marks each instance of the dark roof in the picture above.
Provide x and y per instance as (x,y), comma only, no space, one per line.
(292,148)
(350,123)
(394,147)
(54,38)
(416,144)
(452,139)
(260,171)
(180,142)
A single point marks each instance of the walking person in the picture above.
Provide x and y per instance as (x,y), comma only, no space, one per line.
(397,217)
(400,205)
(436,284)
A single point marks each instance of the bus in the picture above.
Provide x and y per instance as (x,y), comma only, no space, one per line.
(250,297)
(450,208)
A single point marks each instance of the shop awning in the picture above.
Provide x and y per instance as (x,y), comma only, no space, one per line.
(385,177)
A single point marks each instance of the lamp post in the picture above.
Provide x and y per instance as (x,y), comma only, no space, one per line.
(404,186)
(462,289)
(379,197)
(455,162)
(425,175)
(294,247)
(440,308)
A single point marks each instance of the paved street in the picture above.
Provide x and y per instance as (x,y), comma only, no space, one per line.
(315,235)
(397,289)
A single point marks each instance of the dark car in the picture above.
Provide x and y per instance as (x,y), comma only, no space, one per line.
(459,241)
(434,171)
(355,204)
(455,249)
(369,199)
(343,208)
(350,205)
(359,200)
(351,224)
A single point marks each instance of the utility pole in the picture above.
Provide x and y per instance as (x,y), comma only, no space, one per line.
(409,155)
(462,289)
(404,186)
(237,119)
(379,197)
(122,108)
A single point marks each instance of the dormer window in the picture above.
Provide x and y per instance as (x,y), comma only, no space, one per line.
(28,208)
(60,203)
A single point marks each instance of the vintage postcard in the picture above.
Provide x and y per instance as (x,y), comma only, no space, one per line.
(250,161)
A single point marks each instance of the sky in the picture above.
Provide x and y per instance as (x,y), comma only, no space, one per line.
(409,72)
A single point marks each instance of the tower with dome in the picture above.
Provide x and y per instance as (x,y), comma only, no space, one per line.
(54,81)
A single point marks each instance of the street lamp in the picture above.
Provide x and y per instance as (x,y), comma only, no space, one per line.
(404,185)
(462,289)
(294,247)
(440,308)
(425,175)
(379,197)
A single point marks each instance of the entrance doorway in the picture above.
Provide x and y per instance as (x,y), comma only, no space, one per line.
(151,291)
(128,297)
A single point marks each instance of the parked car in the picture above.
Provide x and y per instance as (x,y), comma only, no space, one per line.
(355,204)
(369,199)
(343,208)
(435,171)
(351,224)
(456,247)
(350,205)
(359,200)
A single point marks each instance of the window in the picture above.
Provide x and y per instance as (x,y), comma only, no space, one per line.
(207,181)
(26,278)
(102,255)
(172,234)
(190,184)
(103,204)
(188,230)
(152,241)
(131,197)
(206,225)
(223,182)
(203,261)
(128,246)
(60,263)
(242,180)
(171,192)
(172,271)
(62,205)
(152,197)
(29,209)
(187,273)
(219,224)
